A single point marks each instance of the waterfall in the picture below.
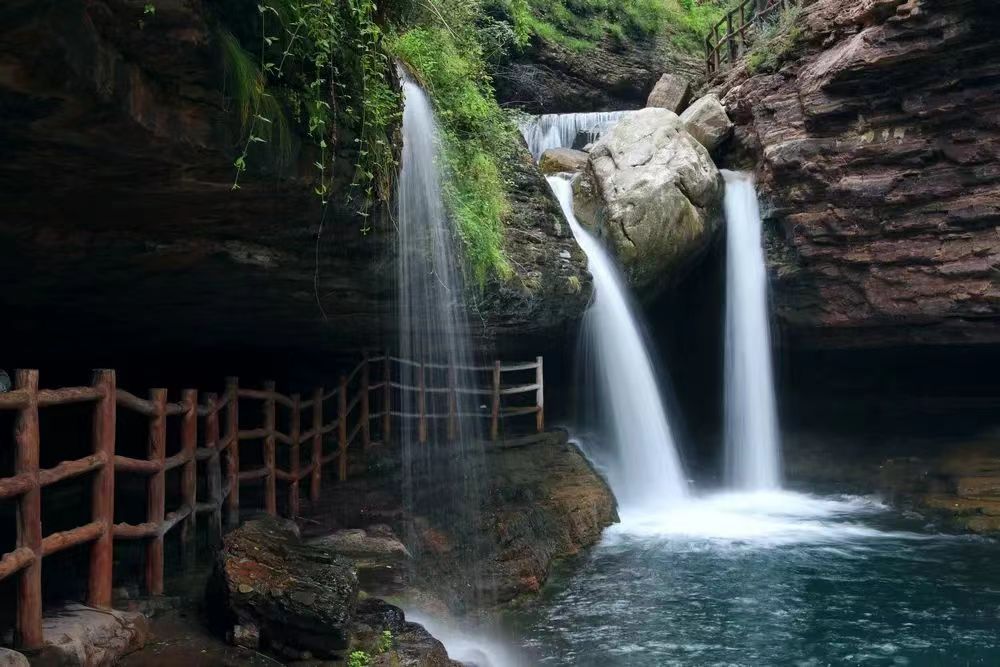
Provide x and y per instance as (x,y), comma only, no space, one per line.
(433,331)
(560,130)
(752,447)
(647,471)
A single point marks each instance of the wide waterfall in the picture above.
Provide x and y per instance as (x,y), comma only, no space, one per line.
(752,440)
(433,332)
(560,130)
(646,473)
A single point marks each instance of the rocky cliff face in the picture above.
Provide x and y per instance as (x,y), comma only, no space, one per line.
(119,227)
(551,78)
(877,148)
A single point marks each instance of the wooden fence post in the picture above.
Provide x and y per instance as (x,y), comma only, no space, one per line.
(156,490)
(233,457)
(189,472)
(718,47)
(293,456)
(387,399)
(103,491)
(730,39)
(540,396)
(270,488)
(422,406)
(495,420)
(213,469)
(29,514)
(342,427)
(366,434)
(452,403)
(317,444)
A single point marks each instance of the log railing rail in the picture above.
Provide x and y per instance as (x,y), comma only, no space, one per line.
(222,435)
(732,35)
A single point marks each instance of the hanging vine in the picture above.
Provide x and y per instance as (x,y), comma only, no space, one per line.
(322,61)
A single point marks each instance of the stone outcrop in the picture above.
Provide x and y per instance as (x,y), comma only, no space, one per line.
(543,502)
(707,121)
(961,485)
(652,191)
(11,658)
(878,156)
(272,591)
(120,224)
(671,92)
(558,160)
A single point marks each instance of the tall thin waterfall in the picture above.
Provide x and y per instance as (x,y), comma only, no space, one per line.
(560,130)
(647,471)
(752,440)
(433,331)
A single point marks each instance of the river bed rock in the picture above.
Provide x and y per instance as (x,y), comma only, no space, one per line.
(652,191)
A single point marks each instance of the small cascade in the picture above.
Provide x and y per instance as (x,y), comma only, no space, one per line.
(560,130)
(433,330)
(752,440)
(646,473)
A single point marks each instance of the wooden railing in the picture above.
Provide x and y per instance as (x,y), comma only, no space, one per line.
(222,435)
(732,35)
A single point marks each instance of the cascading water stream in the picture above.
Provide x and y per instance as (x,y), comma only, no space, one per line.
(560,130)
(433,331)
(646,474)
(751,432)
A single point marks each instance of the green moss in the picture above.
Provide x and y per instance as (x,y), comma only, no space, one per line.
(477,137)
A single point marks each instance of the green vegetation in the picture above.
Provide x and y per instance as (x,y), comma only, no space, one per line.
(582,25)
(385,641)
(358,659)
(775,41)
(322,61)
(448,56)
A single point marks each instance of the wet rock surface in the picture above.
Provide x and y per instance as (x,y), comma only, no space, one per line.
(877,151)
(653,192)
(558,160)
(271,591)
(542,502)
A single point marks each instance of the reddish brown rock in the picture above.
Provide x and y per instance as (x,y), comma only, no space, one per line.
(877,146)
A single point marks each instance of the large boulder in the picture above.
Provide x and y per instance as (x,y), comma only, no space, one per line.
(273,591)
(559,160)
(671,92)
(652,191)
(707,121)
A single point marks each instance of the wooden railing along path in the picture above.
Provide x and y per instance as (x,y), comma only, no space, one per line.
(732,35)
(222,435)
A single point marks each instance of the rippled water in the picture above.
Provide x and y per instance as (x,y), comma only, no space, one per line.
(772,578)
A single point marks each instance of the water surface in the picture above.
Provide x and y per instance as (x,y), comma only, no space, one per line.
(772,579)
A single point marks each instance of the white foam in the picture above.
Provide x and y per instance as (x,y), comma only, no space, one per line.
(764,519)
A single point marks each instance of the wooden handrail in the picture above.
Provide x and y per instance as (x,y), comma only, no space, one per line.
(735,32)
(360,413)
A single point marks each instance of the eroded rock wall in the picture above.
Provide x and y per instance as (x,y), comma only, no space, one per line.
(877,147)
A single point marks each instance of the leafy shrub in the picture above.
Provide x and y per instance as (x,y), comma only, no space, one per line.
(477,136)
(775,41)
